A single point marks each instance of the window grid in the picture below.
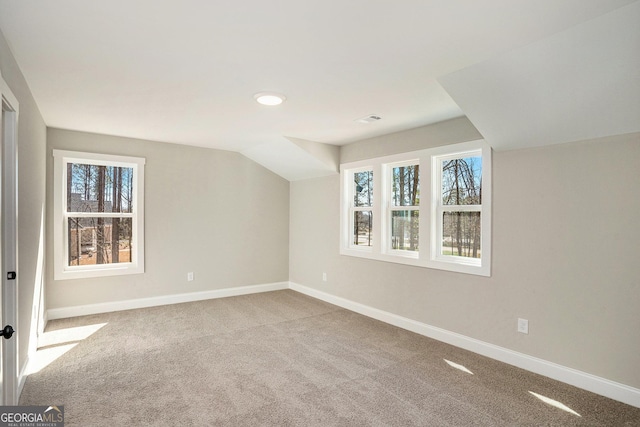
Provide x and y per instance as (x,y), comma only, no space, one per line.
(99,229)
(431,219)
(459,240)
(402,215)
(361,195)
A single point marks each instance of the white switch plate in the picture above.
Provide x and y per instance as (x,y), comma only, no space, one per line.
(523,326)
(324,277)
(190,277)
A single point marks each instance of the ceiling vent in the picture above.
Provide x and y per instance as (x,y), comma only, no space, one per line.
(368,119)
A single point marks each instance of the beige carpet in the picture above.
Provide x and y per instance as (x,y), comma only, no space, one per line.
(282,358)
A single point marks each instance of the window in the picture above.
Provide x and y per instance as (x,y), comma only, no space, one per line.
(99,212)
(361,213)
(385,215)
(460,222)
(403,214)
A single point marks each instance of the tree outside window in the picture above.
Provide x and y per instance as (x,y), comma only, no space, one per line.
(104,190)
(99,214)
(362,204)
(447,227)
(461,180)
(404,207)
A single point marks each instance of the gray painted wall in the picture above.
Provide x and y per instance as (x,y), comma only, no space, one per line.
(566,228)
(31,199)
(443,133)
(211,212)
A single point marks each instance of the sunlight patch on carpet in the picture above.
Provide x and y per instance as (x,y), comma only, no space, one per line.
(458,366)
(68,335)
(46,356)
(555,403)
(54,344)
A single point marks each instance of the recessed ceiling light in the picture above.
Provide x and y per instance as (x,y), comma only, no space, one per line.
(269,98)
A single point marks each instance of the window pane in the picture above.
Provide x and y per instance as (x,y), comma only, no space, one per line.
(404,230)
(362,228)
(406,186)
(363,188)
(92,188)
(93,240)
(462,181)
(461,234)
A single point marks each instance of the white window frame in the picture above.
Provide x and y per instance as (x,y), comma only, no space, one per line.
(430,213)
(387,201)
(352,209)
(482,265)
(62,269)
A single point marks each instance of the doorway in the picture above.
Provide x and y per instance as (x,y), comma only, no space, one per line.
(8,246)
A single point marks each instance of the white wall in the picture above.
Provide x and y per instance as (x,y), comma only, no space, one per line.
(566,227)
(31,199)
(211,212)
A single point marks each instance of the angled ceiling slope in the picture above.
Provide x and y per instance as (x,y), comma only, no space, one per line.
(185,72)
(578,84)
(295,159)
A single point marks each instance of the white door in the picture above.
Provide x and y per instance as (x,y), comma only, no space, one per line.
(8,247)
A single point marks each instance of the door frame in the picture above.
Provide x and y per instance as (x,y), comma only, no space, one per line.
(9,241)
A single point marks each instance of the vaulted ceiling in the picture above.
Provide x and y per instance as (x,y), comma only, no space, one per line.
(525,72)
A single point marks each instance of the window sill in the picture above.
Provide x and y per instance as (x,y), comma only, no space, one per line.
(453,266)
(85,273)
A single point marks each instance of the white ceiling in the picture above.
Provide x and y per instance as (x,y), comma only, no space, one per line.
(185,71)
(579,84)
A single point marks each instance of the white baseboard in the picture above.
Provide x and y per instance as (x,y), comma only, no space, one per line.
(83,310)
(583,380)
(595,384)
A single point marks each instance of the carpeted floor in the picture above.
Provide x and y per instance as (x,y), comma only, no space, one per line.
(282,358)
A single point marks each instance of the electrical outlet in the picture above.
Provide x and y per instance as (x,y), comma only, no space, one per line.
(190,276)
(523,326)
(324,277)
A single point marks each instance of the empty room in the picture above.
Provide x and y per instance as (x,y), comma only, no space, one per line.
(316,213)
